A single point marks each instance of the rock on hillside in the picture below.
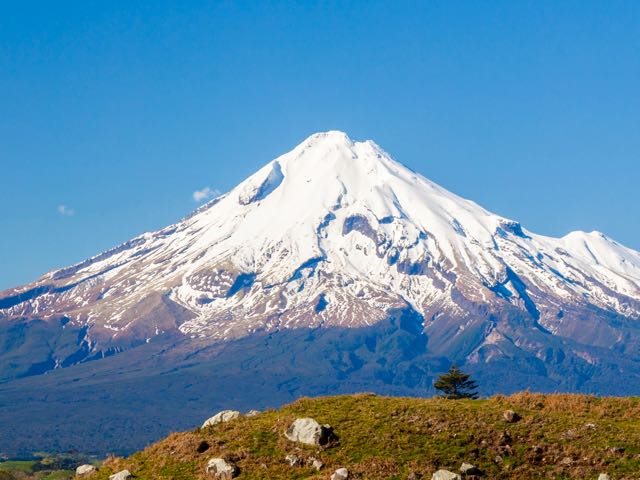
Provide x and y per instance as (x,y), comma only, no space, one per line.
(309,432)
(221,417)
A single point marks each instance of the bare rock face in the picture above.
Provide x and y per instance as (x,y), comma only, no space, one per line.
(123,475)
(309,432)
(221,417)
(222,469)
(86,469)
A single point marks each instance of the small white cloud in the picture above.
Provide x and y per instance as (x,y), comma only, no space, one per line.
(205,194)
(66,211)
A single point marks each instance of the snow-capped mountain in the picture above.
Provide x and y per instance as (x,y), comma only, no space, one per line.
(333,233)
(337,236)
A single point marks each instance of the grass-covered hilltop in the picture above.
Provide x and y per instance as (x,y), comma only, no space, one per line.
(42,466)
(524,436)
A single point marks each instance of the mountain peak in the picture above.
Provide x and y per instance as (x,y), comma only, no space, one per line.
(336,145)
(328,139)
(330,135)
(341,227)
(323,170)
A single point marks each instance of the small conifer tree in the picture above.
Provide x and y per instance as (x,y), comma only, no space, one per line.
(455,384)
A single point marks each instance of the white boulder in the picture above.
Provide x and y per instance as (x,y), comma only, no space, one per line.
(122,475)
(221,417)
(221,469)
(85,469)
(309,432)
(340,474)
(445,475)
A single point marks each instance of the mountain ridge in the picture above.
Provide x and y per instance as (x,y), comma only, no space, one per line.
(426,233)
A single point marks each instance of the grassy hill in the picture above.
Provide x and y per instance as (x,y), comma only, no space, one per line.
(558,436)
(42,466)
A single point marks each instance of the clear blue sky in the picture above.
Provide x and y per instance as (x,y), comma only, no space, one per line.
(119,111)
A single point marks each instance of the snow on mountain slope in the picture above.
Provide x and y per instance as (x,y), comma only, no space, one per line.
(333,233)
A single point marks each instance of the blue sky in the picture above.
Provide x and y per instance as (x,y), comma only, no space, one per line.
(113,113)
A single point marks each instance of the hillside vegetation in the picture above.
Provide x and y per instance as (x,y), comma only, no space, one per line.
(557,436)
(42,466)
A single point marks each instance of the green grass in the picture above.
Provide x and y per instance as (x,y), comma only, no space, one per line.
(46,468)
(17,466)
(387,438)
(59,475)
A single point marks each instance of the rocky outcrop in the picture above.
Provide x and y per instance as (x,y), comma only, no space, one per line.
(293,460)
(445,475)
(510,416)
(221,417)
(315,463)
(469,469)
(340,474)
(84,470)
(309,432)
(222,469)
(122,475)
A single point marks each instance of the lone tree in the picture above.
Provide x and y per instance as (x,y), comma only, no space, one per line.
(455,384)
